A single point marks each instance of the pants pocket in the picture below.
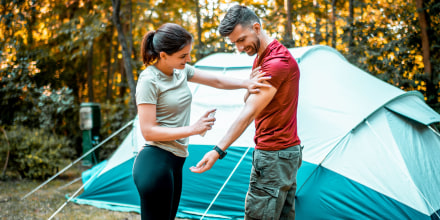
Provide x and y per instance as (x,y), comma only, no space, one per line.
(261,203)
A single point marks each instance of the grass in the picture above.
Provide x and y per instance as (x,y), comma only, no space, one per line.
(45,201)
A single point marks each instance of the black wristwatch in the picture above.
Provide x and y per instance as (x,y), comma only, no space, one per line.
(220,152)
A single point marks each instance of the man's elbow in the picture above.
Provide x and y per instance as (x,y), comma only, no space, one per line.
(250,114)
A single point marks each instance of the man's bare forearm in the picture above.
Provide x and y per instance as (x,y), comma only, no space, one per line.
(238,127)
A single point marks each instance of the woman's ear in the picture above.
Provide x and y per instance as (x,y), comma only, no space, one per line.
(163,55)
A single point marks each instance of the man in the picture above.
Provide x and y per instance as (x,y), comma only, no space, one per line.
(277,155)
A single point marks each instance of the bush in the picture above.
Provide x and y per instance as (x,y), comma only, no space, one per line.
(33,153)
(114,117)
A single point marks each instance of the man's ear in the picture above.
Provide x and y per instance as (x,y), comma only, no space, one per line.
(257,27)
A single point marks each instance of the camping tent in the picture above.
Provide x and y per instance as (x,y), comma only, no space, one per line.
(370,151)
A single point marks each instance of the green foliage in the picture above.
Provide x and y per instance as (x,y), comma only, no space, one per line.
(33,153)
(389,47)
(24,103)
(114,117)
(46,108)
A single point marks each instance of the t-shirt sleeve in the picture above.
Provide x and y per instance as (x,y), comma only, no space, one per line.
(189,70)
(278,69)
(146,91)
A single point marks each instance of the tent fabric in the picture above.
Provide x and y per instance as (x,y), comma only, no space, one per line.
(406,105)
(333,196)
(368,150)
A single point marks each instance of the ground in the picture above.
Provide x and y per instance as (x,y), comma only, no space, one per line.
(45,201)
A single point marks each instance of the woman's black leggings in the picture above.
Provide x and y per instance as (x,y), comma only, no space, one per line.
(157,174)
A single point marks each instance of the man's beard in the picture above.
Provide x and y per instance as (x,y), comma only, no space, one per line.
(254,48)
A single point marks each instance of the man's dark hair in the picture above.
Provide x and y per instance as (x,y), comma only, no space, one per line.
(237,15)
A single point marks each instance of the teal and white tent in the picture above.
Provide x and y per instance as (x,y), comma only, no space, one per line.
(370,150)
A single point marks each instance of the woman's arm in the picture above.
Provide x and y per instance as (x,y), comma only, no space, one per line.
(151,131)
(221,82)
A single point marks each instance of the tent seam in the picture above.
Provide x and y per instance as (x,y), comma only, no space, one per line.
(410,93)
(407,176)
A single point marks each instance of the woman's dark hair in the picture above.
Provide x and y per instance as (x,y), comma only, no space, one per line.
(169,38)
(237,14)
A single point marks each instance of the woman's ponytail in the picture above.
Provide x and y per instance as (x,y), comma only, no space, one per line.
(149,55)
(169,38)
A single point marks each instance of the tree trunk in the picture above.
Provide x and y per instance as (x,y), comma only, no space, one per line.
(109,82)
(288,6)
(115,66)
(351,25)
(31,23)
(327,35)
(125,54)
(130,28)
(334,23)
(318,36)
(199,53)
(90,73)
(424,24)
(288,39)
(362,5)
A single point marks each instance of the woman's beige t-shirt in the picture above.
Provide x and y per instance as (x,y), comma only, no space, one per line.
(172,98)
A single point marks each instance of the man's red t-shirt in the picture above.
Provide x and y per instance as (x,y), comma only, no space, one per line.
(276,125)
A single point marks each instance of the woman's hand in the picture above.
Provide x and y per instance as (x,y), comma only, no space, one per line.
(256,81)
(204,123)
(255,72)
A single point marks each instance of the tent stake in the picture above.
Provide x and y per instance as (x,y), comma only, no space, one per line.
(79,159)
(224,184)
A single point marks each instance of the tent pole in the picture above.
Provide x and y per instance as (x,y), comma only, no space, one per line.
(224,184)
(433,130)
(74,195)
(79,159)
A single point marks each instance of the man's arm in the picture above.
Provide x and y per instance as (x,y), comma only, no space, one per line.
(253,107)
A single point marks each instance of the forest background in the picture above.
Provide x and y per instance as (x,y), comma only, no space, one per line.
(55,55)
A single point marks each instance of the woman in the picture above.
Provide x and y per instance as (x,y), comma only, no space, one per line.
(164,101)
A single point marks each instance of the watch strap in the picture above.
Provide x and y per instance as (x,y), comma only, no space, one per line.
(220,152)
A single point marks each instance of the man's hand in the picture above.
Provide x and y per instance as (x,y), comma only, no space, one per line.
(206,163)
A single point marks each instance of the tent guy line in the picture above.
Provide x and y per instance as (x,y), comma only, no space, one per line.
(73,196)
(224,184)
(79,159)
